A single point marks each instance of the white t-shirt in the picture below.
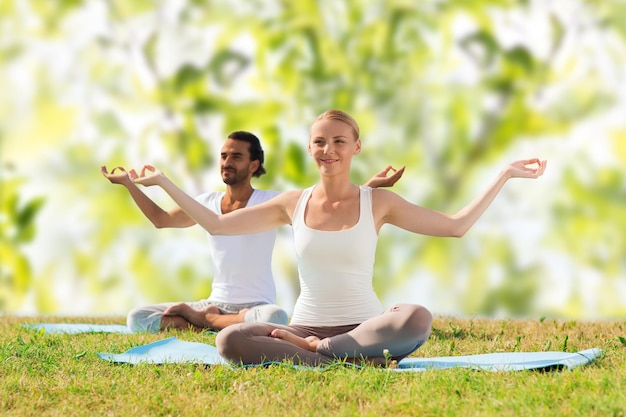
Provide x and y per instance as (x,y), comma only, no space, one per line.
(335,269)
(242,265)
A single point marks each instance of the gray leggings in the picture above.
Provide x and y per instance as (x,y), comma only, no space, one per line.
(401,330)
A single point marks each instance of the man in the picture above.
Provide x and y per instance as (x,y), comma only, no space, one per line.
(243,287)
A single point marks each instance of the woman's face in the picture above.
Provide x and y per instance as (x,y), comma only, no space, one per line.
(332,145)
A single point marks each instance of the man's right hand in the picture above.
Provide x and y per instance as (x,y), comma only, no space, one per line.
(382,179)
(122,177)
(149,176)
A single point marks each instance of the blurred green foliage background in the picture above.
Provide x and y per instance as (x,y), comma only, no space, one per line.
(452,89)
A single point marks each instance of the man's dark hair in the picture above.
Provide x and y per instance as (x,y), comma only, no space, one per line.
(256,152)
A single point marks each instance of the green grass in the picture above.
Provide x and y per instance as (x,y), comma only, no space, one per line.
(61,375)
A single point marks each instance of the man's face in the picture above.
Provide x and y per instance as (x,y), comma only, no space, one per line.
(235,164)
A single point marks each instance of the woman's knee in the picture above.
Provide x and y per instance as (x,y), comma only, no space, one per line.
(227,341)
(416,317)
(235,341)
(424,316)
(423,319)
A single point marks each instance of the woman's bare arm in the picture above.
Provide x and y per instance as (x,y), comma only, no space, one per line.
(255,219)
(399,212)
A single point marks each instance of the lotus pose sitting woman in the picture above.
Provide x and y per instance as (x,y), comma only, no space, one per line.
(336,225)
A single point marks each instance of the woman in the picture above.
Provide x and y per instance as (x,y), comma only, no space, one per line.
(336,225)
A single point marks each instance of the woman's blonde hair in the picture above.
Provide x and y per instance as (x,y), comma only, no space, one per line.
(342,117)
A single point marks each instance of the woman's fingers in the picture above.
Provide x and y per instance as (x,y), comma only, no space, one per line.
(147,167)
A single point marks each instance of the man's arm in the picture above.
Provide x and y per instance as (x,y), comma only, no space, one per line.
(160,218)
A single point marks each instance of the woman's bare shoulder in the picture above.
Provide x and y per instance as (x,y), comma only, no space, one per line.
(288,201)
(380,195)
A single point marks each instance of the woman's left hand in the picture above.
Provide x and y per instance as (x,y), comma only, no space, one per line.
(527,168)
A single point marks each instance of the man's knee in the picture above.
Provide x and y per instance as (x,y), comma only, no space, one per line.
(140,320)
(267,313)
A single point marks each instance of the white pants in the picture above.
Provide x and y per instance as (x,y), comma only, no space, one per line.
(148,318)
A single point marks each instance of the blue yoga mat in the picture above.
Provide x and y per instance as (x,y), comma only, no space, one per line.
(173,350)
(504,361)
(74,328)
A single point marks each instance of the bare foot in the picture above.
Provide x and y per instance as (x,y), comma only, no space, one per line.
(176,309)
(308,343)
(242,314)
(193,316)
(215,319)
(211,310)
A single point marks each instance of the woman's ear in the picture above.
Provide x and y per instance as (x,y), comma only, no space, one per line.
(358,147)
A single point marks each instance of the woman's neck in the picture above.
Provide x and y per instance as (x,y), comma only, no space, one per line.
(331,189)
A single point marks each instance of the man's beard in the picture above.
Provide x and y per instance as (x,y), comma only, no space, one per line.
(234,177)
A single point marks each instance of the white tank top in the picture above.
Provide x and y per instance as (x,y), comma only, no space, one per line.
(242,265)
(335,269)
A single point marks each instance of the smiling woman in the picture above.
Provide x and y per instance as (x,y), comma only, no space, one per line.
(336,225)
